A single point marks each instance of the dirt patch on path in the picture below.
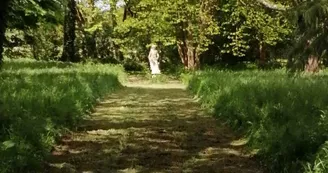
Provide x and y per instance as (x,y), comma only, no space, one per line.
(151,128)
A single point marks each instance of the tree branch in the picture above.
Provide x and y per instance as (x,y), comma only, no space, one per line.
(273,6)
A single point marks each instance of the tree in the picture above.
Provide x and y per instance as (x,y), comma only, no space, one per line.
(69,32)
(312,33)
(94,39)
(246,27)
(196,23)
(3,14)
(23,18)
(187,24)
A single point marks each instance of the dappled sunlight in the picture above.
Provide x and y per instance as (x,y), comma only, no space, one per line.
(151,129)
(212,152)
(239,142)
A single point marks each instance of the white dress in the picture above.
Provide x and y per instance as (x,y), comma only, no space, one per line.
(153,58)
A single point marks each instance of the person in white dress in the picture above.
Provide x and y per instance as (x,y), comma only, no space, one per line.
(153,58)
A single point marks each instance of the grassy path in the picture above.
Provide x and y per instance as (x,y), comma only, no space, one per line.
(150,128)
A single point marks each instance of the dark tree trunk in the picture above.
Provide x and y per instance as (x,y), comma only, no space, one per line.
(3,12)
(69,33)
(263,59)
(93,45)
(128,11)
(182,49)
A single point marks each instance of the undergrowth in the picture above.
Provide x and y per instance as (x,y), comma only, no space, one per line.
(40,99)
(285,117)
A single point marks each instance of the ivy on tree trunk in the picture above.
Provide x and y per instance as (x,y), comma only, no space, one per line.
(69,33)
(3,12)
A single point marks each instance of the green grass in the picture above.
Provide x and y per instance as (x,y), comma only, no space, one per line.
(155,79)
(284,117)
(39,99)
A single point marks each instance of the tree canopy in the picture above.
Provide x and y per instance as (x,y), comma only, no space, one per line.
(191,33)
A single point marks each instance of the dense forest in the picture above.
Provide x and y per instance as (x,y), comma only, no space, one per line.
(258,65)
(191,33)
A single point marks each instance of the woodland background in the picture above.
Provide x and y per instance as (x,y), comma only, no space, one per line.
(244,59)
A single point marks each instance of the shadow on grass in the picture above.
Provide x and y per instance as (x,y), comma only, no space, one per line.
(151,130)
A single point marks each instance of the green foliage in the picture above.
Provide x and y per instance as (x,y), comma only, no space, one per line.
(25,14)
(32,29)
(131,64)
(226,31)
(283,117)
(167,23)
(150,26)
(320,164)
(39,99)
(17,46)
(311,32)
(95,32)
(243,24)
(41,43)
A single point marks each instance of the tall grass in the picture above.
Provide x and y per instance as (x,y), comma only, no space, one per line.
(284,117)
(39,99)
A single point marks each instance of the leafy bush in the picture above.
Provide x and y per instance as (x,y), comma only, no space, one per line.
(284,117)
(134,65)
(40,99)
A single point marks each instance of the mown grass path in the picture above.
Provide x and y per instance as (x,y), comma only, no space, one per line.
(151,128)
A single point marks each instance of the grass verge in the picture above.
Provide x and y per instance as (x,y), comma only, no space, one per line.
(40,99)
(285,118)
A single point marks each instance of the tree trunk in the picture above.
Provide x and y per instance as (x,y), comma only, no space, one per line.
(189,56)
(262,60)
(312,65)
(3,12)
(93,45)
(69,33)
(187,49)
(182,49)
(272,5)
(193,59)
